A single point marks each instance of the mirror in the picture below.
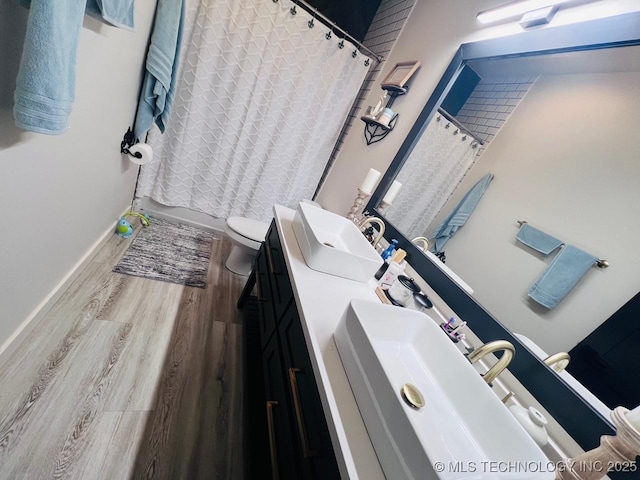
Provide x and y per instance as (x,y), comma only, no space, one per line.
(553,123)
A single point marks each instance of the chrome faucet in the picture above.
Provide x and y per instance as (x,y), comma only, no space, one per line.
(378,222)
(492,347)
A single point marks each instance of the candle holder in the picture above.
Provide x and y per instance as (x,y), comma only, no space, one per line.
(383,207)
(615,453)
(355,214)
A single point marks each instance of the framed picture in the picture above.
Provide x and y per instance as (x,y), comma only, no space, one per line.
(400,75)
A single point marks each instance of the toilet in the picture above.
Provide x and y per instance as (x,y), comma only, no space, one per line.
(246,235)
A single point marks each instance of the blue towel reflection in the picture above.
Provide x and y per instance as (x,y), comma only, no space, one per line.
(537,239)
(562,274)
(461,213)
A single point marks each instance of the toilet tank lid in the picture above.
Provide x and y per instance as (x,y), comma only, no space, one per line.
(248,227)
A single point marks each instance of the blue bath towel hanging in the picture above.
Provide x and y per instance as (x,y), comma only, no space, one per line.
(461,213)
(160,79)
(45,86)
(561,276)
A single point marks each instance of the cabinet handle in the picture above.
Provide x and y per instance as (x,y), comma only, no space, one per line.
(259,288)
(304,438)
(272,269)
(272,439)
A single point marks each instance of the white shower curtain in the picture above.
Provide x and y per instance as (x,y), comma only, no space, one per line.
(434,169)
(260,103)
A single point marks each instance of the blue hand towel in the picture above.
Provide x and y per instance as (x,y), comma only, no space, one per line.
(45,85)
(562,274)
(461,213)
(160,79)
(537,239)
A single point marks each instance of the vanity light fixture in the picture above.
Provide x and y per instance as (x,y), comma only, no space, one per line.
(515,9)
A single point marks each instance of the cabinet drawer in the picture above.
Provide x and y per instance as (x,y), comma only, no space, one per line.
(265,298)
(313,441)
(279,431)
(279,278)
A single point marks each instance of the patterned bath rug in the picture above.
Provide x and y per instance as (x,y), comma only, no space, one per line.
(169,252)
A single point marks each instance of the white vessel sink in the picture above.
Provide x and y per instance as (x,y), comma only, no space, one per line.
(463,424)
(333,244)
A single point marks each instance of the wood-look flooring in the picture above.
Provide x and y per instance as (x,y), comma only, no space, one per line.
(128,378)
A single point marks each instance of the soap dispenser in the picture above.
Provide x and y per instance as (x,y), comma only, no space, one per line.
(390,249)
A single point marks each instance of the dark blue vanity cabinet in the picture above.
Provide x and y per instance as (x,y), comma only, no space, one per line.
(285,420)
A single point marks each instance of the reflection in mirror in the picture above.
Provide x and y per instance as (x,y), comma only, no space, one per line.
(558,132)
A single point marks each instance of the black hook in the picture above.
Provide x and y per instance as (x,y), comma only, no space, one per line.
(354,54)
(328,35)
(274,1)
(367,62)
(310,23)
(293,10)
(341,44)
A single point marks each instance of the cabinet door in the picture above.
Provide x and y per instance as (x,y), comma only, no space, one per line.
(313,441)
(281,449)
(265,307)
(279,278)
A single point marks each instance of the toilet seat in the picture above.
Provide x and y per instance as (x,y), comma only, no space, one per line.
(247,231)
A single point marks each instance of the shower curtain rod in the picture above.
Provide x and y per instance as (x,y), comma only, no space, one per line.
(327,21)
(458,125)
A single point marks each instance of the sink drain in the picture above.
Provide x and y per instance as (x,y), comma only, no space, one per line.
(412,396)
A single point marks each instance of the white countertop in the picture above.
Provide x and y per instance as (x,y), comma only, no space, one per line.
(322,300)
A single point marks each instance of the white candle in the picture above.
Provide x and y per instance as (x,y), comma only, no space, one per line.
(370,181)
(392,192)
(634,417)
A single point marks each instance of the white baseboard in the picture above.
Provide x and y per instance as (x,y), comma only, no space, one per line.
(179,214)
(11,344)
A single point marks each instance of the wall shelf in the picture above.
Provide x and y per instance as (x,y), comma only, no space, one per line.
(374,130)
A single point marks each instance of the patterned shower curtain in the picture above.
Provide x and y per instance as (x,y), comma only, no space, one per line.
(260,103)
(434,169)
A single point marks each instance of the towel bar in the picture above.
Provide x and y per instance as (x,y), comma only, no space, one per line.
(600,263)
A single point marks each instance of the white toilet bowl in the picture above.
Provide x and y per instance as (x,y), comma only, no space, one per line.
(246,235)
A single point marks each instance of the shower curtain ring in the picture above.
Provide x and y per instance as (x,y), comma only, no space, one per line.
(447,125)
(354,54)
(274,1)
(367,62)
(456,132)
(293,10)
(341,44)
(311,22)
(328,35)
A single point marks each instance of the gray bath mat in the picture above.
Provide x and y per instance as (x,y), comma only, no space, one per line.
(169,252)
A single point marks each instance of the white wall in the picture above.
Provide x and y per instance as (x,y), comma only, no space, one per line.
(432,34)
(58,194)
(567,162)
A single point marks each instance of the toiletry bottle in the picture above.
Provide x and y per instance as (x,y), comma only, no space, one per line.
(389,276)
(390,249)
